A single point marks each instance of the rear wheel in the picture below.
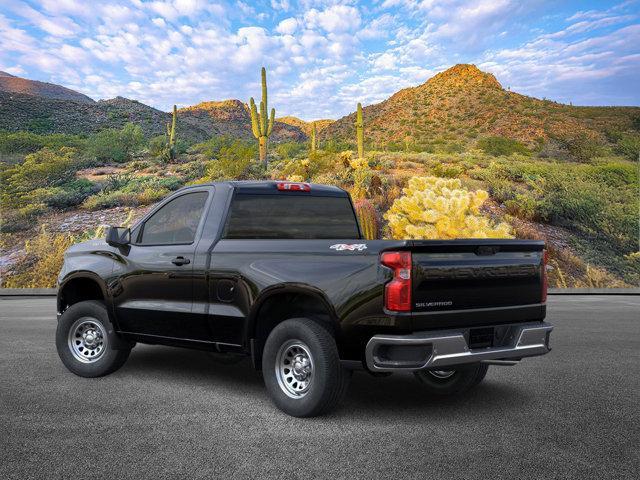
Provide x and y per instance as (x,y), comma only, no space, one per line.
(302,370)
(454,381)
(85,341)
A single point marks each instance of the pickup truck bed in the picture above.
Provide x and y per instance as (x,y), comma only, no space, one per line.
(226,266)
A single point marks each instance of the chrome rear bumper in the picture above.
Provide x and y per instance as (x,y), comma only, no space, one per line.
(387,353)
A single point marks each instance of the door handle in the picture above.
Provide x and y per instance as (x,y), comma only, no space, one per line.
(180,261)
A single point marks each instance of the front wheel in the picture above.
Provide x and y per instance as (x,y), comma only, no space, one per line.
(86,341)
(454,381)
(302,369)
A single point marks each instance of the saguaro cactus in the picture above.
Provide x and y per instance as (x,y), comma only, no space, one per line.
(260,124)
(314,140)
(368,219)
(171,136)
(360,132)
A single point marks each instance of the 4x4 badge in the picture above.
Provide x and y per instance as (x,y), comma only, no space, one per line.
(349,246)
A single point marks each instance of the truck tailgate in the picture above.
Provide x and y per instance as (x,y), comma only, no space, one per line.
(463,275)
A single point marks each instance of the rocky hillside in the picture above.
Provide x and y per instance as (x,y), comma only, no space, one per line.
(46,108)
(12,84)
(464,103)
(20,111)
(232,118)
(305,126)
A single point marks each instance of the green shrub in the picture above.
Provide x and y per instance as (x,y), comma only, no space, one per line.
(582,146)
(289,150)
(159,148)
(191,171)
(16,220)
(43,169)
(498,146)
(336,146)
(28,142)
(598,201)
(233,159)
(629,146)
(40,125)
(317,164)
(211,148)
(124,199)
(116,182)
(613,174)
(157,145)
(523,206)
(116,145)
(67,195)
(453,147)
(447,171)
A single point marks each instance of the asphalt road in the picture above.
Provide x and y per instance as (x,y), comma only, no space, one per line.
(171,413)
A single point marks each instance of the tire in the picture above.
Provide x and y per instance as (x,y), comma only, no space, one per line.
(454,381)
(87,343)
(310,352)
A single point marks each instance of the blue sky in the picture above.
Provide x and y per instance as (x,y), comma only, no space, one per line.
(321,56)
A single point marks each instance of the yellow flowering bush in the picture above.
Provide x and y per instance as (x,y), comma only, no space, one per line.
(45,254)
(361,178)
(440,208)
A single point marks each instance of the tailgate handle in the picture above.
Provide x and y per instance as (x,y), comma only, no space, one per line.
(487,250)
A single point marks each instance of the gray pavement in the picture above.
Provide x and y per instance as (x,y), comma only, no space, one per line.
(174,413)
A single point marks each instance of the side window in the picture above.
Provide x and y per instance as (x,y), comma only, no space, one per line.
(176,222)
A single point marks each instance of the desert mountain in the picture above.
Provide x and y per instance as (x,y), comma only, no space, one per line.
(48,108)
(463,103)
(12,84)
(232,117)
(458,105)
(20,111)
(305,126)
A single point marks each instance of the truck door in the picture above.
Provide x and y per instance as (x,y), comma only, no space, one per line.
(154,295)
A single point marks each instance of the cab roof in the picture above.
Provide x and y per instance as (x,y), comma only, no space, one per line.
(270,187)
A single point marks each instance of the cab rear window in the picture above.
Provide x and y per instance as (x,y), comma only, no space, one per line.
(290,217)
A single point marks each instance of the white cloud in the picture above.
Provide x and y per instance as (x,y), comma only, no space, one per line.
(117,14)
(379,27)
(164,9)
(15,70)
(386,61)
(73,55)
(189,7)
(56,26)
(280,5)
(338,51)
(14,39)
(287,26)
(253,42)
(335,19)
(551,66)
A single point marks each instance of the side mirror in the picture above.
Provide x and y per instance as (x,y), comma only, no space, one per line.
(118,236)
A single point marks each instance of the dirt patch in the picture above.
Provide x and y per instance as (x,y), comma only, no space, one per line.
(99,174)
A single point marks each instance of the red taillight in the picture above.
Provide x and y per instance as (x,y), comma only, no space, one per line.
(545,276)
(397,293)
(291,186)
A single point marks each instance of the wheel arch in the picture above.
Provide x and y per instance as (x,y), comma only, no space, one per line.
(282,302)
(78,287)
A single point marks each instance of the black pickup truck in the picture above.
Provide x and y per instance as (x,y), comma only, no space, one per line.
(280,271)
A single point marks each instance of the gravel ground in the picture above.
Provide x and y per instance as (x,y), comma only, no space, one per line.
(172,413)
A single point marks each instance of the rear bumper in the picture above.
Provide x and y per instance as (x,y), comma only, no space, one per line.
(427,350)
